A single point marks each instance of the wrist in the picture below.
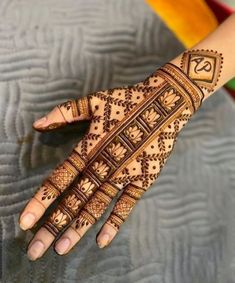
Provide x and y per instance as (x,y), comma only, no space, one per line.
(203,67)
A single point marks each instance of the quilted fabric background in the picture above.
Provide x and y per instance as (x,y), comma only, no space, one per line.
(183,231)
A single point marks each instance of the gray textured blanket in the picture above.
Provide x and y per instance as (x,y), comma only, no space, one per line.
(183,231)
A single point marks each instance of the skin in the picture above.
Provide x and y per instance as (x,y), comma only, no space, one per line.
(222,40)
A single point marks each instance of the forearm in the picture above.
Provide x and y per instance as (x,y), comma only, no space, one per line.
(214,67)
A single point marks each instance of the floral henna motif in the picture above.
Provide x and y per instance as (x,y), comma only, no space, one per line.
(72,203)
(169,99)
(101,168)
(86,186)
(150,116)
(117,151)
(49,192)
(59,219)
(134,134)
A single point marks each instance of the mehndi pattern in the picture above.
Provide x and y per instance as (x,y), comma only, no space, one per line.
(203,67)
(133,131)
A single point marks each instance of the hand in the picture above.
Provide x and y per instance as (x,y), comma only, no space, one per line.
(132,132)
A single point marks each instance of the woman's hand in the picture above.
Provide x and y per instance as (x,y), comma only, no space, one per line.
(132,132)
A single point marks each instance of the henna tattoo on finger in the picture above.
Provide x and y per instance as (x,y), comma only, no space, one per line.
(124,206)
(76,109)
(60,179)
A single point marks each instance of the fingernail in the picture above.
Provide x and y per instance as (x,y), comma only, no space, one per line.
(103,240)
(62,245)
(40,122)
(27,221)
(36,250)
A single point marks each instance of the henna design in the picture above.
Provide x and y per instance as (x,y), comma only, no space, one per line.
(72,202)
(117,150)
(67,105)
(49,191)
(70,205)
(169,99)
(132,133)
(128,152)
(124,206)
(151,116)
(76,161)
(60,178)
(94,209)
(79,108)
(58,218)
(100,168)
(97,205)
(203,67)
(84,219)
(71,111)
(109,190)
(83,108)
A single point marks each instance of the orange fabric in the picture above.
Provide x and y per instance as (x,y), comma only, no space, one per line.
(190,20)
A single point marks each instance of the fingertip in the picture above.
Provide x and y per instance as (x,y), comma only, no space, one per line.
(105,236)
(27,220)
(40,243)
(103,240)
(36,250)
(40,122)
(66,243)
(53,120)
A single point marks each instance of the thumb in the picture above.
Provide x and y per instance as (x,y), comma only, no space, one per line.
(68,112)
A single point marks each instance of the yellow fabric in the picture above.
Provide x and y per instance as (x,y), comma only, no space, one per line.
(190,20)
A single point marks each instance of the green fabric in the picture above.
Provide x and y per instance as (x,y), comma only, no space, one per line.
(231,84)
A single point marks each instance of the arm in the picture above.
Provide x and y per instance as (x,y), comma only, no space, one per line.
(132,132)
(219,70)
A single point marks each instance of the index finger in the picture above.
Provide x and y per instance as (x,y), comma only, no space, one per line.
(60,179)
